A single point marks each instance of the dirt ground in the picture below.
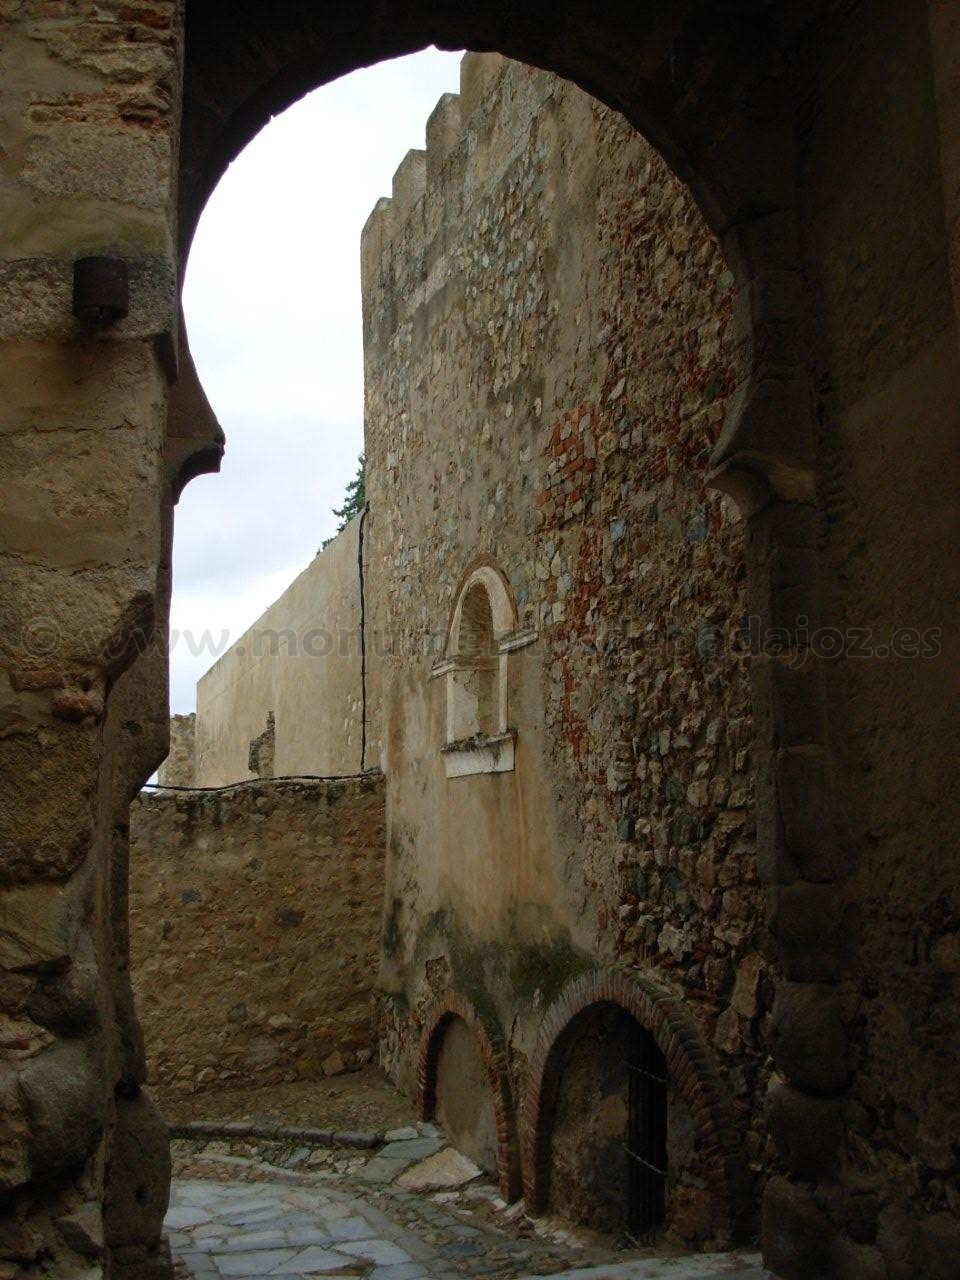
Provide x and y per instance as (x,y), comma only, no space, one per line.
(355,1100)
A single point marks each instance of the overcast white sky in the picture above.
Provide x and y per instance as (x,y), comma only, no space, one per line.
(272,300)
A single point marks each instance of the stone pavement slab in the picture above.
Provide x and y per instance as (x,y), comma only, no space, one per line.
(332,1228)
(412,1149)
(382,1170)
(446,1168)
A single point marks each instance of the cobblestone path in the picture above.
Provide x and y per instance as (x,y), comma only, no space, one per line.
(337,1227)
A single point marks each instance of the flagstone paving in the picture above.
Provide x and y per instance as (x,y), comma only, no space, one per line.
(296,1228)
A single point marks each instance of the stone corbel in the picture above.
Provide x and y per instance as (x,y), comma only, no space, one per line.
(766,448)
(195,439)
(766,451)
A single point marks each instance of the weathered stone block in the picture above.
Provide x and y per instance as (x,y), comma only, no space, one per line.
(776,349)
(780,525)
(938,1239)
(788,701)
(765,243)
(851,1261)
(775,862)
(807,1037)
(803,796)
(798,703)
(769,295)
(82,1230)
(804,920)
(478,73)
(131,167)
(768,433)
(915,1247)
(795,1233)
(807,1130)
(67,1002)
(39,927)
(64,1093)
(142,1264)
(443,133)
(14,1150)
(138,1175)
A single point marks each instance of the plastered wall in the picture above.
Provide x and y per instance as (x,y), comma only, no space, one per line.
(301,663)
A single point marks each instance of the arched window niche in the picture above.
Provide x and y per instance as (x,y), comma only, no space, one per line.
(482,634)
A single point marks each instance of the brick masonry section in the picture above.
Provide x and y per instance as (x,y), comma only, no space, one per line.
(692,1071)
(255,917)
(494,1053)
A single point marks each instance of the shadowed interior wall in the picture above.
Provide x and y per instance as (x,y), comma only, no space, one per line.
(590,1170)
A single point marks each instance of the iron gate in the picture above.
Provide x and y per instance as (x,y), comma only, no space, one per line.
(646,1144)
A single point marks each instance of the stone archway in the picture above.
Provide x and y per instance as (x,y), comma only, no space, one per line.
(691,1070)
(671,77)
(448,1008)
(743,100)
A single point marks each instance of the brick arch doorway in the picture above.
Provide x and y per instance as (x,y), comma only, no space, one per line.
(663,1064)
(450,1013)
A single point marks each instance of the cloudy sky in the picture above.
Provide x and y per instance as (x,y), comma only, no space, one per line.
(272,299)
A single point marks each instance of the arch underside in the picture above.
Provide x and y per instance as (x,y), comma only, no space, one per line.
(702,82)
(245,62)
(852,344)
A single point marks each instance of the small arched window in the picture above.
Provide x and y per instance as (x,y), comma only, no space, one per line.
(481,636)
(476,709)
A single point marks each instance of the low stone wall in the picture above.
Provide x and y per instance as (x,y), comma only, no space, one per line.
(255,914)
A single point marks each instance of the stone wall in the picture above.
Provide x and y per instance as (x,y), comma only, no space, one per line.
(549,350)
(254,924)
(88,165)
(301,664)
(179,768)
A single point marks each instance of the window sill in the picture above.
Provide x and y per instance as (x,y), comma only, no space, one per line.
(483,753)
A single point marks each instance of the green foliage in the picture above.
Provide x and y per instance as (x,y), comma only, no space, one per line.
(354,500)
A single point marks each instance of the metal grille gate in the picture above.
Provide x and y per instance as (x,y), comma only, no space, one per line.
(646,1144)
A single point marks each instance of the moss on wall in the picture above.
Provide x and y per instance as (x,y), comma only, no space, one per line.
(493,974)
(546,968)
